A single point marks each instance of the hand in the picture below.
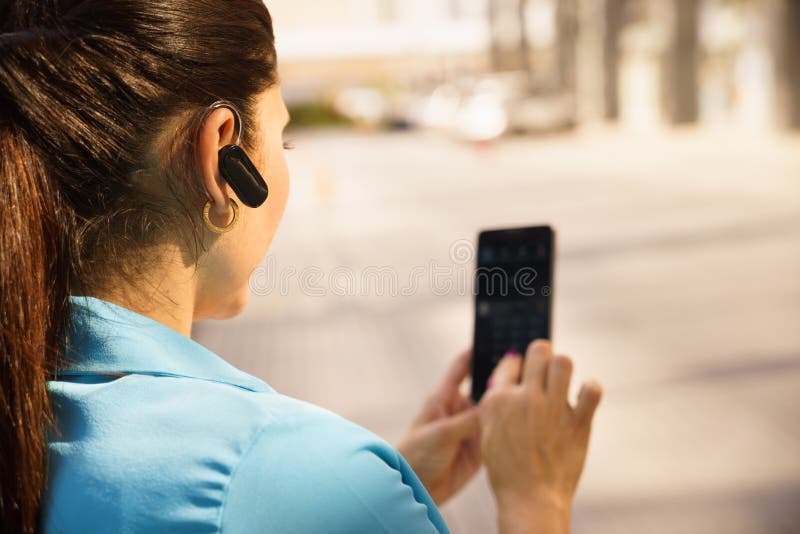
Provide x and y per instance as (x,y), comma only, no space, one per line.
(533,441)
(443,444)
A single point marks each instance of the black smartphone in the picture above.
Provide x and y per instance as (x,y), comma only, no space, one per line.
(513,296)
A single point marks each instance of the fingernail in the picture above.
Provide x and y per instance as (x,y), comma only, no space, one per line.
(511,354)
(489,382)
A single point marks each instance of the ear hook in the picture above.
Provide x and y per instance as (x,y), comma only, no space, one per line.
(237,168)
(238,125)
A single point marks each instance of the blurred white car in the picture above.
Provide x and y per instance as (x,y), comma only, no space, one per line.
(483,109)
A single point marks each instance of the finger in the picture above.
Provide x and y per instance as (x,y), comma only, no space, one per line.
(588,399)
(537,359)
(474,448)
(461,403)
(507,371)
(559,373)
(463,424)
(458,370)
(455,404)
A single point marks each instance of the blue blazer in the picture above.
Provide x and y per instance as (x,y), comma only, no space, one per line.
(155,433)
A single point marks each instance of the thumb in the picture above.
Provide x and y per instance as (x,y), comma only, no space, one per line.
(463,424)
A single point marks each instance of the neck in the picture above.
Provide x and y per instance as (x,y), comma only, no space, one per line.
(167,295)
(170,313)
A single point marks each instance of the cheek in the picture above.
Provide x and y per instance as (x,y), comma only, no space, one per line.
(264,220)
(277,177)
(278,173)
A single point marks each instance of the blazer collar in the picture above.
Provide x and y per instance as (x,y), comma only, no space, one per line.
(106,338)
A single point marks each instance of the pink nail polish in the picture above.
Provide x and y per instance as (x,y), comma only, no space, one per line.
(489,383)
(511,354)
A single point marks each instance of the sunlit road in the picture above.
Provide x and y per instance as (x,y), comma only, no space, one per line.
(678,287)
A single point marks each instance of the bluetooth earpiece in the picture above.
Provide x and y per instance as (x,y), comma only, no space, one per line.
(237,168)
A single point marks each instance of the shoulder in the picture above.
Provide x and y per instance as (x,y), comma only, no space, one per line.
(150,452)
(315,471)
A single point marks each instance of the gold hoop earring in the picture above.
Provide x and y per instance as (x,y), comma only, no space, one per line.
(221,229)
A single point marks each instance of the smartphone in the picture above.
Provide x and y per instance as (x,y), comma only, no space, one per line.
(513,296)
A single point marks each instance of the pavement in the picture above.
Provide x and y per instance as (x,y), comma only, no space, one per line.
(677,287)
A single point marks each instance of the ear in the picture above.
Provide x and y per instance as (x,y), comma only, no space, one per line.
(218,130)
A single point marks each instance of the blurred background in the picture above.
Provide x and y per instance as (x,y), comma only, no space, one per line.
(659,138)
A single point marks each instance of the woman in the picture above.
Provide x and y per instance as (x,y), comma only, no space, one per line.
(121,231)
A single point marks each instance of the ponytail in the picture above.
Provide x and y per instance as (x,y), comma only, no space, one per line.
(33,310)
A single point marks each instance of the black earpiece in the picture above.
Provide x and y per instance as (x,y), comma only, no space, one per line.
(242,176)
(237,168)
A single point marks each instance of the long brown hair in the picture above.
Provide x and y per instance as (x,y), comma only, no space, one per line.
(100,101)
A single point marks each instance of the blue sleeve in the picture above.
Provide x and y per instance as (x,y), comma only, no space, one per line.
(322,473)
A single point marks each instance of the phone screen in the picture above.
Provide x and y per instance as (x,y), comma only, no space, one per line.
(513,296)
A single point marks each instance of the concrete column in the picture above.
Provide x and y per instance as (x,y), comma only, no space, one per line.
(788,71)
(684,57)
(614,22)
